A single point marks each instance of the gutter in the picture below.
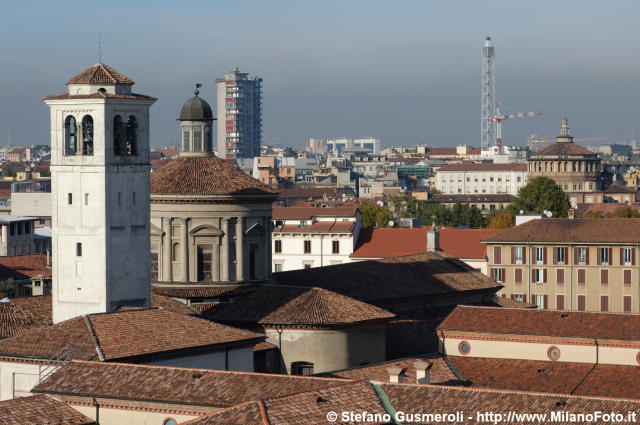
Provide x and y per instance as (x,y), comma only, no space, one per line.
(384,400)
(595,340)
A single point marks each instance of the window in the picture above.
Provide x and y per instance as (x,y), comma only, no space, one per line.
(497,255)
(604,276)
(118,136)
(119,198)
(540,255)
(169,421)
(560,302)
(560,276)
(539,275)
(627,303)
(627,277)
(498,275)
(70,139)
(154,265)
(539,300)
(604,255)
(560,253)
(519,179)
(582,302)
(86,199)
(517,255)
(131,136)
(627,255)
(307,247)
(582,255)
(20,227)
(205,260)
(27,227)
(518,275)
(186,139)
(277,246)
(87,135)
(581,276)
(335,247)
(197,139)
(604,303)
(69,198)
(277,267)
(302,368)
(12,229)
(518,297)
(78,249)
(133,198)
(303,223)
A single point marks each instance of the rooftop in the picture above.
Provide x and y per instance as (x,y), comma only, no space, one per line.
(286,305)
(205,176)
(579,230)
(474,197)
(100,74)
(317,227)
(23,267)
(551,323)
(483,166)
(563,148)
(39,410)
(307,212)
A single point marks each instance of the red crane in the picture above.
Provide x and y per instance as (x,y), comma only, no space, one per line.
(499,118)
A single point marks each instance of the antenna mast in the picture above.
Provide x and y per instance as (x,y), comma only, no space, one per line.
(100,58)
(488,94)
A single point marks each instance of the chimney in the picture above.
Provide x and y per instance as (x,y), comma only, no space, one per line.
(423,372)
(395,374)
(433,239)
(572,213)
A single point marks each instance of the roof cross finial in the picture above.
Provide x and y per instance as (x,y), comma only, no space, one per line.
(196,91)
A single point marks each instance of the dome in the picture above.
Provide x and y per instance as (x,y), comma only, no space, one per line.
(196,109)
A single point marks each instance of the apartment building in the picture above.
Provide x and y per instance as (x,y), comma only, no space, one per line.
(470,178)
(306,237)
(569,264)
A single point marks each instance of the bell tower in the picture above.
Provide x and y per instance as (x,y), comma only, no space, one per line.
(100,194)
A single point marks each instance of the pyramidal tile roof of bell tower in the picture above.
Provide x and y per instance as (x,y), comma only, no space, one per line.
(100,74)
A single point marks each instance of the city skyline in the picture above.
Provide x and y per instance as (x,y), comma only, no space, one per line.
(335,70)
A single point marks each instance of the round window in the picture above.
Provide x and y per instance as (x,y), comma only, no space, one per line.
(169,421)
(464,348)
(553,353)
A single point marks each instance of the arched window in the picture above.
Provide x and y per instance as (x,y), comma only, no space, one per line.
(132,136)
(87,135)
(118,135)
(70,138)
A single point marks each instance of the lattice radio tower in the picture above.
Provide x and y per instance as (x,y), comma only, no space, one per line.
(488,94)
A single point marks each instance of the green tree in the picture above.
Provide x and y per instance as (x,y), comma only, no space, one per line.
(7,287)
(290,152)
(375,216)
(503,220)
(541,194)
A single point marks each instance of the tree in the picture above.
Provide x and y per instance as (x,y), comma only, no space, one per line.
(503,220)
(539,195)
(374,216)
(7,287)
(290,152)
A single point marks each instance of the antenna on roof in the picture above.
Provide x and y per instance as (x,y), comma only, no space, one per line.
(100,56)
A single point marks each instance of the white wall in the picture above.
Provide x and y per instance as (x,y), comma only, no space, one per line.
(17,379)
(459,184)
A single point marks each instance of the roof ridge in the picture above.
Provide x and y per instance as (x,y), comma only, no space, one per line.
(107,71)
(337,384)
(94,338)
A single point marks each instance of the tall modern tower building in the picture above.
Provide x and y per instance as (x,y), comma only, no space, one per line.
(488,94)
(239,115)
(100,191)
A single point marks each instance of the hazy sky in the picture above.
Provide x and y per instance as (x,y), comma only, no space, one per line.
(408,71)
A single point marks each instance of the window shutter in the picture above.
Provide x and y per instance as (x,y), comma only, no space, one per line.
(524,298)
(566,255)
(560,277)
(560,302)
(513,255)
(582,301)
(575,255)
(604,276)
(524,255)
(533,275)
(518,275)
(627,277)
(513,296)
(633,256)
(621,256)
(544,255)
(581,276)
(496,255)
(586,250)
(503,273)
(627,303)
(546,301)
(604,303)
(555,260)
(599,255)
(611,256)
(544,275)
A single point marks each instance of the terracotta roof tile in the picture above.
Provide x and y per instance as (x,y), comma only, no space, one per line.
(307,212)
(483,166)
(374,281)
(125,334)
(97,95)
(308,192)
(465,243)
(203,387)
(285,305)
(14,320)
(543,323)
(100,74)
(564,148)
(579,230)
(39,410)
(212,291)
(391,242)
(20,267)
(205,176)
(441,373)
(616,188)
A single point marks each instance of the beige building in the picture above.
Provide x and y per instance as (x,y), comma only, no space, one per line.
(569,264)
(572,167)
(209,220)
(481,178)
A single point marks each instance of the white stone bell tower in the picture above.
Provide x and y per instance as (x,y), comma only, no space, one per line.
(100,191)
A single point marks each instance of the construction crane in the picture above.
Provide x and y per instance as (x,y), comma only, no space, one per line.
(497,119)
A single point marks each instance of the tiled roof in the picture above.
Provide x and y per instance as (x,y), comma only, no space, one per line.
(483,166)
(445,198)
(166,303)
(125,334)
(20,267)
(442,151)
(465,243)
(190,292)
(14,320)
(308,192)
(441,373)
(373,281)
(579,230)
(390,242)
(306,213)
(40,410)
(98,95)
(564,148)
(203,387)
(318,227)
(5,189)
(603,208)
(100,74)
(205,176)
(286,305)
(616,188)
(543,323)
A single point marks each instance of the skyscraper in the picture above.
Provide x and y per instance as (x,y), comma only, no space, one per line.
(488,94)
(239,115)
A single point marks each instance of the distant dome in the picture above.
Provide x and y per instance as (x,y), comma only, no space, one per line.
(196,109)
